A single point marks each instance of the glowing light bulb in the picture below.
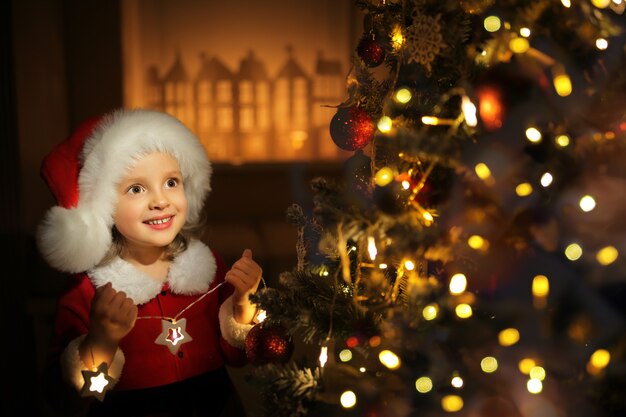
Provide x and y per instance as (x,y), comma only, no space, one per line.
(489,364)
(389,359)
(562,140)
(600,358)
(409,265)
(525,32)
(573,252)
(533,134)
(492,23)
(519,45)
(345,355)
(562,85)
(508,337)
(587,203)
(424,385)
(323,356)
(537,372)
(430,311)
(546,179)
(607,255)
(540,286)
(477,242)
(262,315)
(384,176)
(482,170)
(601,4)
(348,399)
(457,382)
(534,386)
(525,365)
(524,189)
(602,44)
(403,95)
(469,112)
(463,311)
(566,3)
(371,247)
(458,283)
(385,124)
(452,403)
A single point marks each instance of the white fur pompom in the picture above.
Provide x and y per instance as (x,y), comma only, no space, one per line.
(73,240)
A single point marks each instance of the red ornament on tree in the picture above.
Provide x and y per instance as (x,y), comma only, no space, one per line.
(351,128)
(370,51)
(268,344)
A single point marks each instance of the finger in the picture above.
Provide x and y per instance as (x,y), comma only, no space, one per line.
(118,301)
(247,253)
(105,293)
(248,266)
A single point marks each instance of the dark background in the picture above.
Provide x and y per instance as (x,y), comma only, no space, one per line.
(60,64)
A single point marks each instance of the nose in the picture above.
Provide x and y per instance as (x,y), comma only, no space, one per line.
(158,201)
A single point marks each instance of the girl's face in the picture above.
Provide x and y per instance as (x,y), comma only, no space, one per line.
(151,205)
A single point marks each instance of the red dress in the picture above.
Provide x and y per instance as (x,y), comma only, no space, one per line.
(216,339)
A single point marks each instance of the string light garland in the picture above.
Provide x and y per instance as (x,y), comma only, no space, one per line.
(174,333)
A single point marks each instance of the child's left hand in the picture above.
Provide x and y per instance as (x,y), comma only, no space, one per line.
(245,276)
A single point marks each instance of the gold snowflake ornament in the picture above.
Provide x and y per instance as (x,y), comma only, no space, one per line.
(424,40)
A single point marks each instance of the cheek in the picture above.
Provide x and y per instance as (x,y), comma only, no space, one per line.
(125,217)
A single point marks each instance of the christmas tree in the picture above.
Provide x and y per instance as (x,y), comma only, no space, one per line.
(468,261)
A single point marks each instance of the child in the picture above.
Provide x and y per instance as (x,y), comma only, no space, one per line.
(146,304)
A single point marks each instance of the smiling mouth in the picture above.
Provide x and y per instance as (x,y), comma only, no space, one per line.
(159,221)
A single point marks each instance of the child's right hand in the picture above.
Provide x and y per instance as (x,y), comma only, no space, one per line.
(112,316)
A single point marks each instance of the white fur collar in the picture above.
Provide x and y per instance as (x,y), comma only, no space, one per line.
(192,272)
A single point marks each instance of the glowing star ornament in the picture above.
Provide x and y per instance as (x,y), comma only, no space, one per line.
(97,382)
(173,335)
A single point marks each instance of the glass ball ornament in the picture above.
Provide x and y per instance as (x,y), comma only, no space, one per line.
(351,128)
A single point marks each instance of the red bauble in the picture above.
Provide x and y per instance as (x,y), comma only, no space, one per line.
(351,128)
(370,51)
(268,344)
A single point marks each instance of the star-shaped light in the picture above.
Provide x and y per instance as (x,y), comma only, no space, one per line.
(97,382)
(173,335)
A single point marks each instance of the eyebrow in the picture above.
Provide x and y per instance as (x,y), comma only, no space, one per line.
(133,180)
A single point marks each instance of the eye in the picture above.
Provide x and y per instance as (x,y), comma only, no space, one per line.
(135,189)
(171,182)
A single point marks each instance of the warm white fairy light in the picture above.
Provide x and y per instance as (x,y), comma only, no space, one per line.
(587,203)
(482,170)
(601,4)
(456,382)
(533,134)
(469,111)
(524,189)
(492,23)
(452,403)
(573,251)
(385,124)
(262,315)
(525,365)
(430,312)
(389,359)
(508,337)
(384,176)
(423,384)
(430,120)
(477,242)
(602,44)
(458,284)
(537,372)
(562,84)
(409,265)
(382,266)
(371,247)
(519,45)
(607,255)
(362,369)
(463,311)
(546,179)
(489,364)
(98,383)
(566,3)
(323,356)
(345,355)
(403,95)
(562,140)
(348,399)
(540,286)
(525,32)
(534,386)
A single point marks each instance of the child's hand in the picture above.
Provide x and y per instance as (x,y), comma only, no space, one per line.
(245,276)
(112,315)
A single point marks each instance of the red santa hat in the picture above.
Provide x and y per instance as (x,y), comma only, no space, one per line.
(84,171)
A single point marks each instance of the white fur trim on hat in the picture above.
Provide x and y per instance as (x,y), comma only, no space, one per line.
(72,365)
(76,239)
(233,332)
